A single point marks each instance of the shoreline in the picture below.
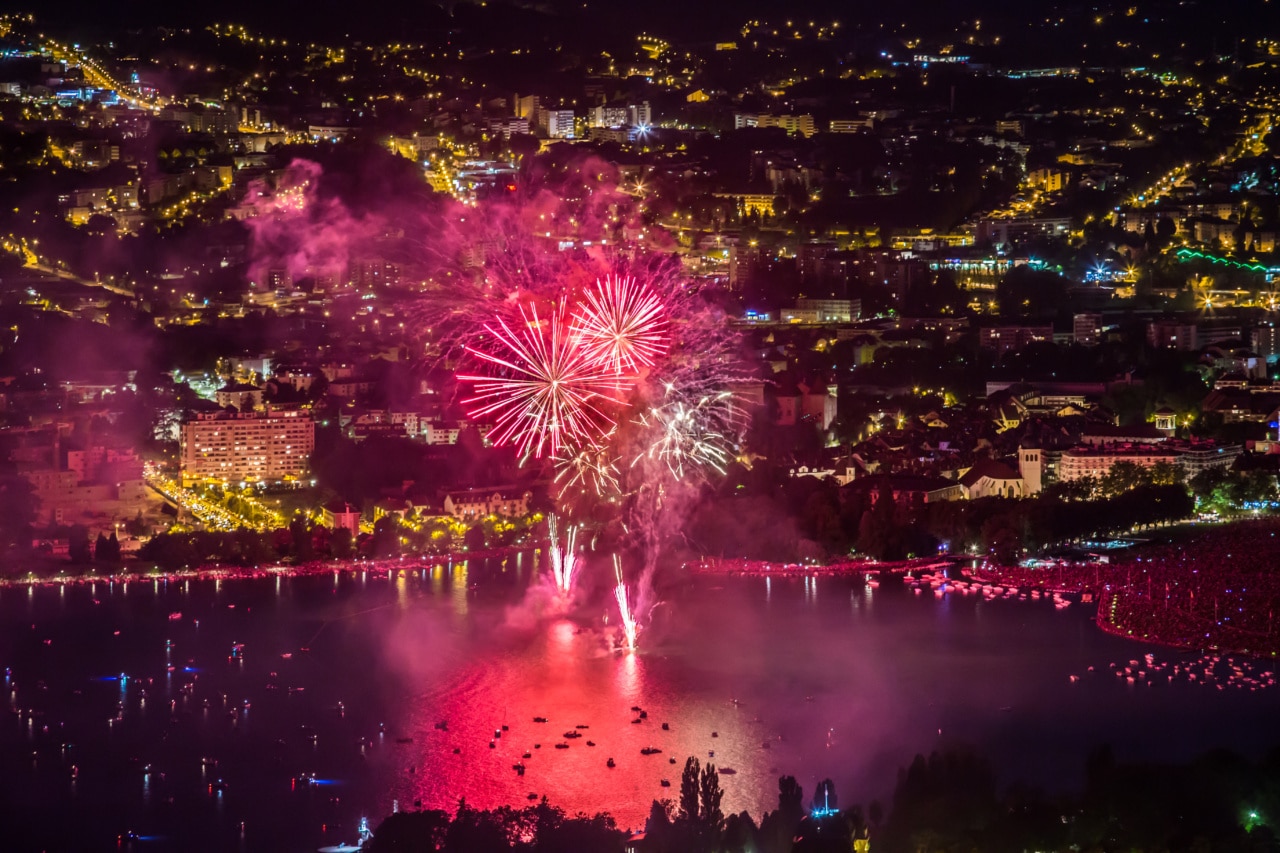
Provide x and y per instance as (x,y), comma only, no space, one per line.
(130,574)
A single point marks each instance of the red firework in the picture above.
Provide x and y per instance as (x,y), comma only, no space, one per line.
(551,391)
(622,324)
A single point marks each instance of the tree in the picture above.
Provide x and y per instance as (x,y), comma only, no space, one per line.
(342,543)
(386,536)
(689,792)
(78,544)
(101,549)
(709,796)
(300,535)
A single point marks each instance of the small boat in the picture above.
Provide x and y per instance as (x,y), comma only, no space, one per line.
(644,715)
(715,734)
(539,719)
(457,750)
(727,771)
(443,725)
(666,783)
(581,726)
(532,796)
(671,760)
(666,727)
(562,746)
(492,745)
(591,743)
(635,708)
(572,734)
(711,753)
(650,750)
(610,763)
(637,721)
(527,755)
(519,768)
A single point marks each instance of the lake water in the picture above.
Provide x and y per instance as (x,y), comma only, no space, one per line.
(260,682)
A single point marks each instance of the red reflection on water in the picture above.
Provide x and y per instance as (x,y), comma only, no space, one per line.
(569,675)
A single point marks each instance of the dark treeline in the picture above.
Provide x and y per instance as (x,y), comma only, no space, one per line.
(949,802)
(804,517)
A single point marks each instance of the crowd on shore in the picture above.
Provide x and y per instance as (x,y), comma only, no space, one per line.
(1217,591)
(224,572)
(740,567)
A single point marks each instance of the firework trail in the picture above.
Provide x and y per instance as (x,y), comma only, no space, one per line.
(564,561)
(624,606)
(552,393)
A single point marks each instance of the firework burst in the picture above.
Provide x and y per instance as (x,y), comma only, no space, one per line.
(622,324)
(689,434)
(592,469)
(551,393)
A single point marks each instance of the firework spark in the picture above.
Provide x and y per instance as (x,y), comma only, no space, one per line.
(622,324)
(624,606)
(564,561)
(552,392)
(689,433)
(592,468)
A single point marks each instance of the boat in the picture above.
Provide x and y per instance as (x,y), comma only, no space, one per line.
(572,734)
(715,734)
(727,771)
(562,746)
(635,708)
(582,726)
(666,783)
(527,755)
(518,767)
(666,727)
(539,719)
(365,835)
(610,763)
(591,743)
(650,750)
(532,796)
(637,721)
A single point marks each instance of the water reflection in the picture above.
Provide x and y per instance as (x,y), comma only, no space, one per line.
(394,687)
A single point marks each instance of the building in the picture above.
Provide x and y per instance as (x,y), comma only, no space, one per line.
(1264,339)
(1005,339)
(240,395)
(223,447)
(832,310)
(991,479)
(852,125)
(801,124)
(1097,461)
(1086,329)
(1172,334)
(475,504)
(556,124)
(340,515)
(1191,457)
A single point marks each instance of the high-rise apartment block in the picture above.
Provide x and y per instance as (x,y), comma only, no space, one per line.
(226,447)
